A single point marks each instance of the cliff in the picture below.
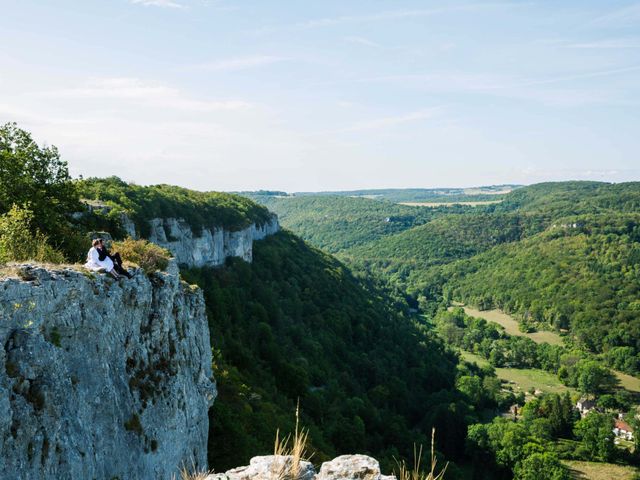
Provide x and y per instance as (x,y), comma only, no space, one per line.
(212,246)
(102,379)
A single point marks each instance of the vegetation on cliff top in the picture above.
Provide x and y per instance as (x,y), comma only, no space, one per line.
(199,209)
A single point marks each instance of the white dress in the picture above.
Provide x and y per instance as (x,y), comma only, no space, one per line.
(94,262)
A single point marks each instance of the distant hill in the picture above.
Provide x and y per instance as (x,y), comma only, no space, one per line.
(561,255)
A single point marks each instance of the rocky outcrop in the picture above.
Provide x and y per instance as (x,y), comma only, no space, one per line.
(212,246)
(352,467)
(278,467)
(102,379)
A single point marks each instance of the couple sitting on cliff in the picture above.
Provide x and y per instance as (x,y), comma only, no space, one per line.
(99,258)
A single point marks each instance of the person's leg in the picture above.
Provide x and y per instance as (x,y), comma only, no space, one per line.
(118,268)
(116,259)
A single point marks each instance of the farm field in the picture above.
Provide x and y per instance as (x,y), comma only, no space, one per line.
(524,380)
(599,471)
(628,382)
(511,325)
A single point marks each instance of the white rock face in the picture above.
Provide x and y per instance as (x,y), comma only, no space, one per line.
(102,379)
(269,467)
(351,467)
(212,247)
(272,467)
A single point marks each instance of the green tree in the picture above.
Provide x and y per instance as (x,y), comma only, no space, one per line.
(541,466)
(593,377)
(20,241)
(34,175)
(595,432)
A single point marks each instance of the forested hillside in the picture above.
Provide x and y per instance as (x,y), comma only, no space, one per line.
(295,324)
(337,223)
(557,255)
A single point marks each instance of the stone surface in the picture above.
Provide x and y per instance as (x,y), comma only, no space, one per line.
(345,467)
(269,467)
(351,467)
(102,379)
(212,246)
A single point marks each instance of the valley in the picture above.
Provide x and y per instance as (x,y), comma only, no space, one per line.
(563,257)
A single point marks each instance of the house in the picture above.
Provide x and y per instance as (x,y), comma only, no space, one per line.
(623,430)
(584,406)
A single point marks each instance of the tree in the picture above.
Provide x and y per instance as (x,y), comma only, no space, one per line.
(35,176)
(595,432)
(541,466)
(593,377)
(20,242)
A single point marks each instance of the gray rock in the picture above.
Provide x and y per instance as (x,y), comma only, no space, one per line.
(212,246)
(351,467)
(102,379)
(269,467)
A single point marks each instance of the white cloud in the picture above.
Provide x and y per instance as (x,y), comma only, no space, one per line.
(362,41)
(607,43)
(388,122)
(400,14)
(241,63)
(622,16)
(145,93)
(158,3)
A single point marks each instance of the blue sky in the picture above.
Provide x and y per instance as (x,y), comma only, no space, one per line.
(291,95)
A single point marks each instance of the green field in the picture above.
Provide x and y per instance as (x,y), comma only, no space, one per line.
(628,382)
(511,325)
(599,471)
(523,380)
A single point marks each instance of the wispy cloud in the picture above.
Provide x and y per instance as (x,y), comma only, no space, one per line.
(241,63)
(606,44)
(514,87)
(361,41)
(146,93)
(390,15)
(392,121)
(158,3)
(621,16)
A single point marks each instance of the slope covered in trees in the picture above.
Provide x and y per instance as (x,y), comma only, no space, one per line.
(337,223)
(295,324)
(584,277)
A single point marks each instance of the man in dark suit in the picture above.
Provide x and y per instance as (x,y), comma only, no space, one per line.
(117,261)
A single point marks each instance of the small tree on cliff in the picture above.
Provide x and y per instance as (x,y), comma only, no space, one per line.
(35,176)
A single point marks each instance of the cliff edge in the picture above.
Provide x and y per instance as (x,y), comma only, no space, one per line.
(102,379)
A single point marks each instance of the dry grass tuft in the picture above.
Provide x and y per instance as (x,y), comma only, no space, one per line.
(294,447)
(193,474)
(416,473)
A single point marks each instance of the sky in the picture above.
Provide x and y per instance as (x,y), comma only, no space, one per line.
(328,95)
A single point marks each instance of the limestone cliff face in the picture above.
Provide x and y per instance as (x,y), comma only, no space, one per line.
(213,246)
(102,379)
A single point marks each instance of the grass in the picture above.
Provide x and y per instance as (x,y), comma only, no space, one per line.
(599,471)
(628,382)
(185,474)
(295,447)
(416,472)
(512,327)
(524,379)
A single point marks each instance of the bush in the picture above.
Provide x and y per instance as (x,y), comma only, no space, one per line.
(148,256)
(20,241)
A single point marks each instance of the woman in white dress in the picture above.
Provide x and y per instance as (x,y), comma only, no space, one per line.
(94,263)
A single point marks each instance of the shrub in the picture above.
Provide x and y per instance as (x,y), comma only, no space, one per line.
(20,241)
(146,255)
